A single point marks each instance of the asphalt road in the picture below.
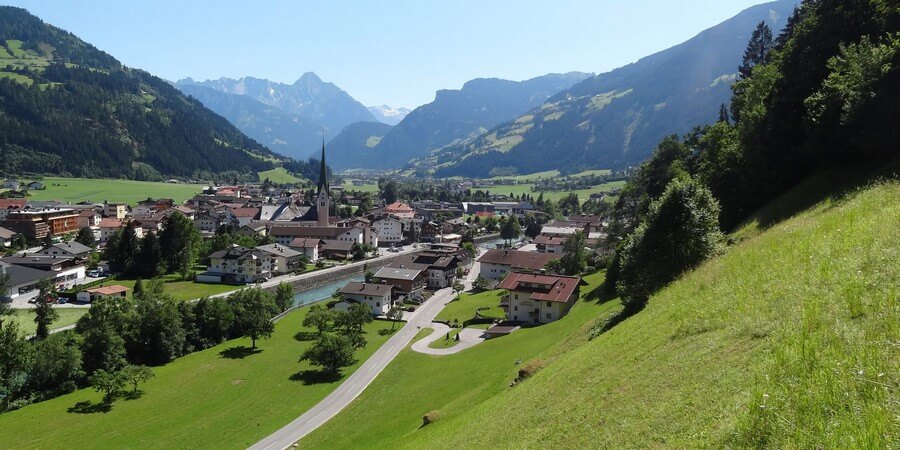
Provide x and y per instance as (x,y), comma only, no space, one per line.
(354,385)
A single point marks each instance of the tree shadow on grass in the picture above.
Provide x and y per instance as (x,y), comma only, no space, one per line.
(600,294)
(310,377)
(239,352)
(304,336)
(133,395)
(89,407)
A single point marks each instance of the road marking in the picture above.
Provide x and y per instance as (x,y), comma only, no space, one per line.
(317,415)
(351,386)
(270,445)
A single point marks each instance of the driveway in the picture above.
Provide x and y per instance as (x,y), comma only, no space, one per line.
(468,337)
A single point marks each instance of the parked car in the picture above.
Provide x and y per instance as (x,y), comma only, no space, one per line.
(94,274)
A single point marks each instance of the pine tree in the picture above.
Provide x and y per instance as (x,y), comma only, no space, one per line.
(723,114)
(758,50)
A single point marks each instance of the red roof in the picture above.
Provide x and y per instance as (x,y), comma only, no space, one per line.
(484,214)
(517,259)
(12,203)
(398,207)
(110,222)
(245,212)
(109,290)
(301,242)
(549,240)
(544,288)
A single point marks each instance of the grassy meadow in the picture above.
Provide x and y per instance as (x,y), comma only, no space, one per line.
(74,190)
(464,308)
(67,316)
(783,342)
(175,286)
(280,175)
(222,397)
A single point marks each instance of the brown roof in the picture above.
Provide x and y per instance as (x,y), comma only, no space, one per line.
(6,234)
(544,288)
(12,203)
(245,212)
(302,242)
(517,259)
(355,287)
(110,222)
(549,240)
(337,246)
(300,231)
(108,290)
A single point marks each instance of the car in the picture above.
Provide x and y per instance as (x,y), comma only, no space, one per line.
(94,274)
(62,300)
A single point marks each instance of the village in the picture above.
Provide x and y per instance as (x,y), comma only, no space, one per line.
(265,234)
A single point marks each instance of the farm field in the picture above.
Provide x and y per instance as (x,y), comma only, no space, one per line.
(74,190)
(279,175)
(583,194)
(368,187)
(222,397)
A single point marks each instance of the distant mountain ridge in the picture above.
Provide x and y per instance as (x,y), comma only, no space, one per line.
(615,119)
(309,97)
(454,115)
(87,115)
(388,115)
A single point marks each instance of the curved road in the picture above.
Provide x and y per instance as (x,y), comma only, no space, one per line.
(468,337)
(362,377)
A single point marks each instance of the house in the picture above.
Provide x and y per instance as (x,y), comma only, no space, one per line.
(496,264)
(8,205)
(309,247)
(389,230)
(69,249)
(206,222)
(550,244)
(11,183)
(439,268)
(407,283)
(335,250)
(284,234)
(523,208)
(36,186)
(241,216)
(252,229)
(537,298)
(89,295)
(109,226)
(400,210)
(36,225)
(376,296)
(476,207)
(285,259)
(370,235)
(238,265)
(186,211)
(88,218)
(6,237)
(22,280)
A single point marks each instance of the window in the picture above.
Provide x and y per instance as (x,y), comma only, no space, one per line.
(548,315)
(548,304)
(377,304)
(517,296)
(515,308)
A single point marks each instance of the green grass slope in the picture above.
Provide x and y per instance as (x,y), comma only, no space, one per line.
(787,341)
(207,399)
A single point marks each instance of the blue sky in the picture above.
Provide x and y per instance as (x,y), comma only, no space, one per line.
(395,52)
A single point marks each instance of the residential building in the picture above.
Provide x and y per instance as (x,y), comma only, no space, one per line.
(8,205)
(90,295)
(66,270)
(240,217)
(407,283)
(335,250)
(22,280)
(309,247)
(439,268)
(550,244)
(389,230)
(207,222)
(284,234)
(496,264)
(536,298)
(88,218)
(285,259)
(238,265)
(109,226)
(6,237)
(374,295)
(69,249)
(115,210)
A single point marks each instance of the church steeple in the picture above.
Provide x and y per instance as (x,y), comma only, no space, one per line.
(323,172)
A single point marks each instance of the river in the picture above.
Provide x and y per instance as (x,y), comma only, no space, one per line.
(323,292)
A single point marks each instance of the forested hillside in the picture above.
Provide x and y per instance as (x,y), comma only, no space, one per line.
(68,108)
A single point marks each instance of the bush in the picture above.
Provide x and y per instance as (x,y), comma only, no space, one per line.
(530,368)
(431,417)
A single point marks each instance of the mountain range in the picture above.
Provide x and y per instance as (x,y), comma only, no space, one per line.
(68,108)
(615,119)
(454,115)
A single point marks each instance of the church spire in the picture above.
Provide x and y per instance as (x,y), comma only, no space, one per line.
(323,172)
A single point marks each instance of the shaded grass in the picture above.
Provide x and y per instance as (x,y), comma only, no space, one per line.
(177,287)
(464,309)
(205,399)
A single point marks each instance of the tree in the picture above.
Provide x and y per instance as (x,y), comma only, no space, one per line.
(574,256)
(121,249)
(390,191)
(284,296)
(723,114)
(470,249)
(253,311)
(158,336)
(569,205)
(101,329)
(14,356)
(214,320)
(152,263)
(481,283)
(758,49)
(318,317)
(681,231)
(330,352)
(358,251)
(136,374)
(458,287)
(109,383)
(44,314)
(354,318)
(85,236)
(369,276)
(180,242)
(510,229)
(138,290)
(395,314)
(365,204)
(55,366)
(532,226)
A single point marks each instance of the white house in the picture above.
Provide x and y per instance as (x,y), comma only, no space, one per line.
(238,264)
(389,230)
(376,296)
(92,294)
(535,298)
(284,235)
(285,259)
(307,246)
(496,264)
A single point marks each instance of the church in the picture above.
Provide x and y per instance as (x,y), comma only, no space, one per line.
(317,214)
